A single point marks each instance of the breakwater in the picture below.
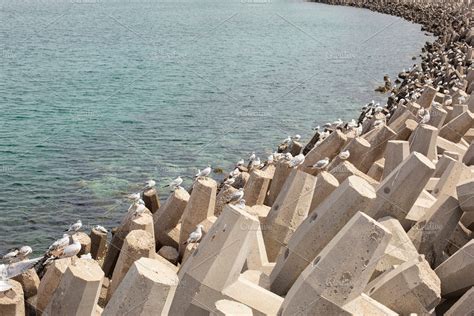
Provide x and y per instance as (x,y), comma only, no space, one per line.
(371,216)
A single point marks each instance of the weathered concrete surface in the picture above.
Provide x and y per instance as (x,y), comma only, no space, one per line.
(464,305)
(431,235)
(147,289)
(201,205)
(212,272)
(326,183)
(400,248)
(50,282)
(282,171)
(29,281)
(395,153)
(229,308)
(365,305)
(257,186)
(465,193)
(412,287)
(398,192)
(12,301)
(342,270)
(137,244)
(424,140)
(457,273)
(329,147)
(152,202)
(288,211)
(78,291)
(98,244)
(318,229)
(168,216)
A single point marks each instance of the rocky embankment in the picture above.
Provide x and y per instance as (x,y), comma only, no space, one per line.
(370,217)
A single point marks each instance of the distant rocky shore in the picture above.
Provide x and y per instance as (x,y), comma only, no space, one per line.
(369,217)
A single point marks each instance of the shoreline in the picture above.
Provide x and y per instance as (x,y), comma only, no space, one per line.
(374,215)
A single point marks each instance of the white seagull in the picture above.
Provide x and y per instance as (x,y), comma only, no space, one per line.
(297,160)
(149,184)
(344,154)
(71,250)
(76,226)
(140,209)
(237,196)
(11,255)
(234,173)
(323,163)
(24,252)
(204,173)
(60,243)
(195,236)
(242,203)
(241,162)
(135,197)
(175,183)
(101,229)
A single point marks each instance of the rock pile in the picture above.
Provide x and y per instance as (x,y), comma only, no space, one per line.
(377,218)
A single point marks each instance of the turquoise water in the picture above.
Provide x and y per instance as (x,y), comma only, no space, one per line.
(96,97)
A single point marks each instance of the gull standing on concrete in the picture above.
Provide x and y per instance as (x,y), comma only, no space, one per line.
(322,164)
(344,154)
(297,160)
(237,196)
(204,173)
(235,173)
(24,252)
(149,184)
(175,183)
(195,236)
(140,209)
(60,243)
(241,162)
(11,255)
(101,229)
(242,204)
(75,227)
(288,156)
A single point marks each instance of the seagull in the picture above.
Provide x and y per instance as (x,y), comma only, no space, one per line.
(204,173)
(297,160)
(140,209)
(241,162)
(11,255)
(287,141)
(229,181)
(135,197)
(252,156)
(242,204)
(101,229)
(256,162)
(71,250)
(270,159)
(296,138)
(344,154)
(195,236)
(75,227)
(149,184)
(237,196)
(8,271)
(234,173)
(24,252)
(60,243)
(175,183)
(323,163)
(425,118)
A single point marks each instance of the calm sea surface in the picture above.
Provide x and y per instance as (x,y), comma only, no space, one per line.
(96,97)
